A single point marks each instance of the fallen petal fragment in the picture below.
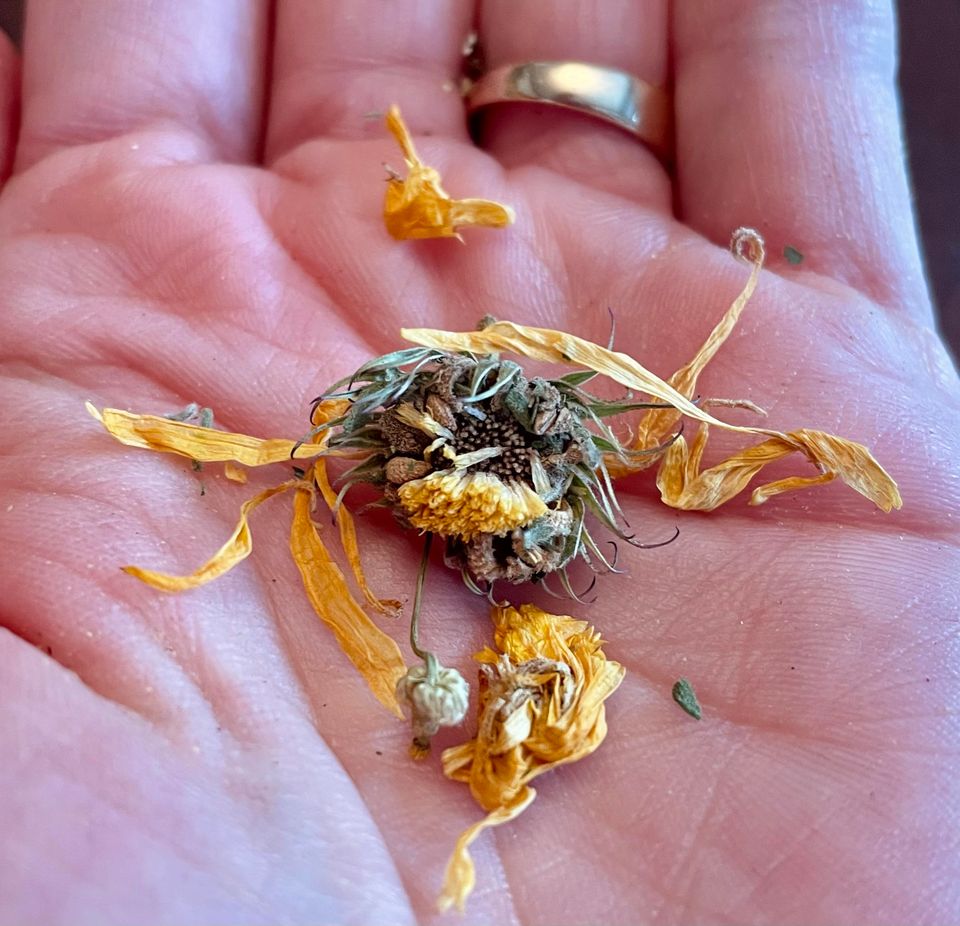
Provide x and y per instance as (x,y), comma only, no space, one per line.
(206,445)
(683,485)
(235,550)
(375,655)
(417,206)
(460,876)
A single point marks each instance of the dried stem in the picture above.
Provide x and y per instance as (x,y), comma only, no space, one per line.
(425,655)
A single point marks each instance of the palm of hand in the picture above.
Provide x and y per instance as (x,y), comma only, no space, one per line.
(220,742)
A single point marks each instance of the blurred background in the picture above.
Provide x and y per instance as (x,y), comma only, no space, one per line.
(930,88)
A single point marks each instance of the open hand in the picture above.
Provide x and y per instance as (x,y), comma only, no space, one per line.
(194,215)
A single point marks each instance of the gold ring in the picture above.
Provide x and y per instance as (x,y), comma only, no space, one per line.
(614,96)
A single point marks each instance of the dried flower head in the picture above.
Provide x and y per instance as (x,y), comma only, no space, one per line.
(437,697)
(503,467)
(541,704)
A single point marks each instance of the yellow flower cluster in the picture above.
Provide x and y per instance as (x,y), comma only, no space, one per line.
(454,503)
(541,705)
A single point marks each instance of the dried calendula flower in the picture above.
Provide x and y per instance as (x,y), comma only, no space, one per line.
(417,206)
(513,473)
(541,704)
(503,468)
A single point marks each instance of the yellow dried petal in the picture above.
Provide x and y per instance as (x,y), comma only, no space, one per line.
(417,206)
(683,485)
(236,549)
(324,413)
(560,347)
(542,706)
(838,457)
(658,423)
(234,472)
(454,503)
(460,876)
(793,484)
(207,445)
(348,539)
(375,655)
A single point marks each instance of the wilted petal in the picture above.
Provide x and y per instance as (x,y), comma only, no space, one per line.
(375,655)
(683,485)
(840,458)
(417,206)
(657,424)
(348,539)
(206,445)
(236,549)
(460,876)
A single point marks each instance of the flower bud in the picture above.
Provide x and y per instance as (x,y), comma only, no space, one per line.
(437,697)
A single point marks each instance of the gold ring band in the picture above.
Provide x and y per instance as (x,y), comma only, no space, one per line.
(605,93)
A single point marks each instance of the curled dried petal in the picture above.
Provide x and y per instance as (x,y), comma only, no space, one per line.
(658,423)
(683,485)
(417,206)
(348,539)
(460,876)
(235,550)
(837,457)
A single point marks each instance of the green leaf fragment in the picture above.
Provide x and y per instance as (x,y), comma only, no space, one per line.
(684,695)
(578,378)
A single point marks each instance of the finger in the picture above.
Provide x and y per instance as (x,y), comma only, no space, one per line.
(625,34)
(9,104)
(338,67)
(94,71)
(787,120)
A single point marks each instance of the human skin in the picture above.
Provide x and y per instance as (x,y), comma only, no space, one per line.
(212,757)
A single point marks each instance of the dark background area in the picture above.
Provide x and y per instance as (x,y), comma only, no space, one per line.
(930,87)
